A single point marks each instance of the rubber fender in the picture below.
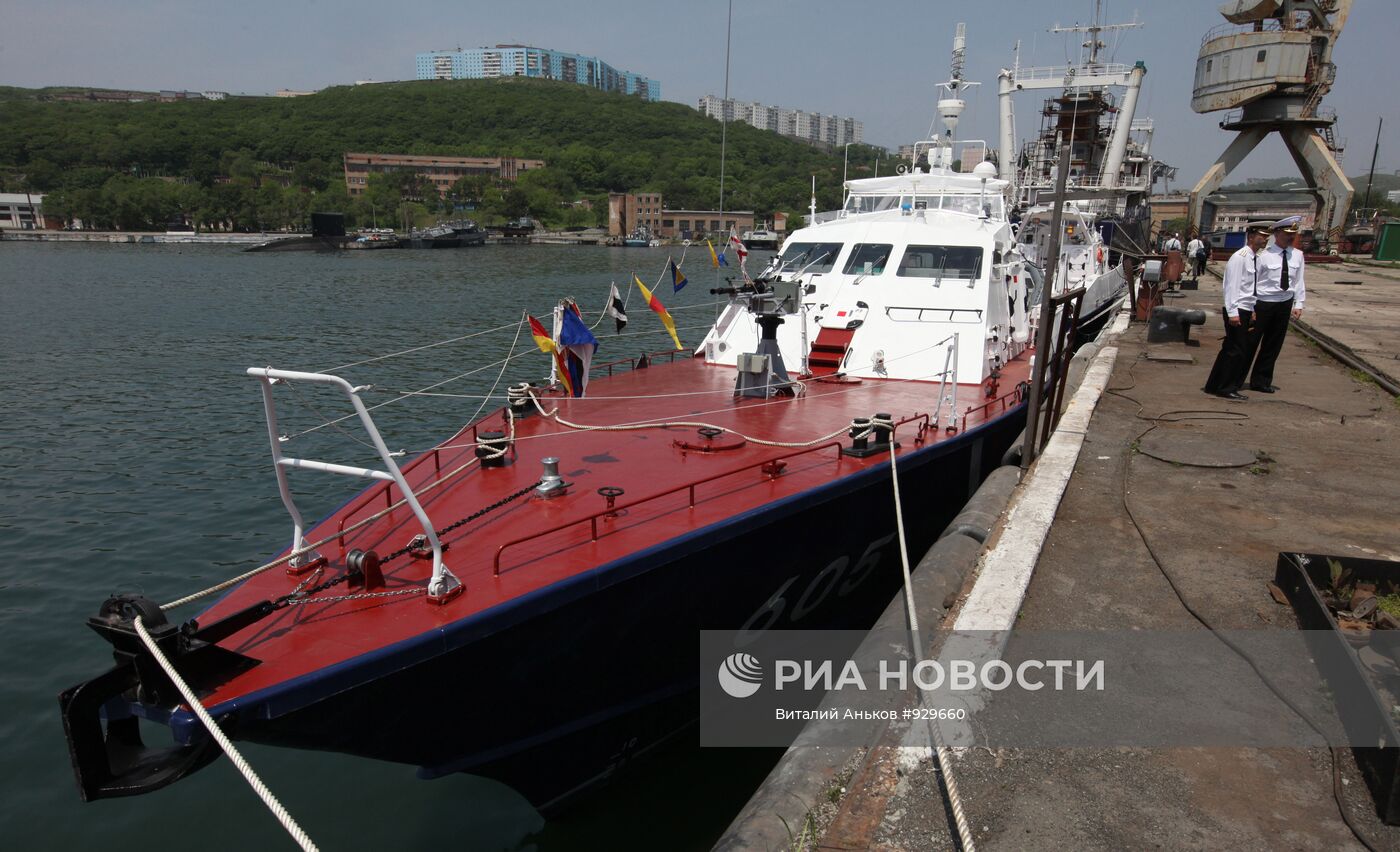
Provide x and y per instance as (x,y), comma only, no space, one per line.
(980,513)
(1012,456)
(940,574)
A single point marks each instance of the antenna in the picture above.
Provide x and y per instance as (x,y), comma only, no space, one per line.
(1095,29)
(959,51)
(951,107)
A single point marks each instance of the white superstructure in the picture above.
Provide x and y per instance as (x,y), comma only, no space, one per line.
(910,263)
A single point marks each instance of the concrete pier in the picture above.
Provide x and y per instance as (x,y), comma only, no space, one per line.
(138,237)
(1326,451)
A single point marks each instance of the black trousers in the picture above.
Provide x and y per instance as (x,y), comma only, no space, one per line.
(1271,320)
(1199,266)
(1227,375)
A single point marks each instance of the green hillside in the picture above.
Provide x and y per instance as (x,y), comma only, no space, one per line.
(264,162)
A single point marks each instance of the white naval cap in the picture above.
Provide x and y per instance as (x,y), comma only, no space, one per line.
(1288,223)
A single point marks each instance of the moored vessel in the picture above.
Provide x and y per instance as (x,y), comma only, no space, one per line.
(1111,171)
(438,236)
(522,600)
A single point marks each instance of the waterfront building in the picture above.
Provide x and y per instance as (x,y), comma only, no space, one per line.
(809,126)
(23,211)
(693,224)
(1233,211)
(1166,208)
(629,211)
(442,171)
(519,60)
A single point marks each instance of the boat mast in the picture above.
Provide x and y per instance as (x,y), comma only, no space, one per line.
(1089,75)
(1006,86)
(723,110)
(1118,142)
(950,108)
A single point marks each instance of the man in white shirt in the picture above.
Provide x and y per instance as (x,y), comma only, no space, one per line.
(1176,264)
(1196,254)
(1239,283)
(1280,295)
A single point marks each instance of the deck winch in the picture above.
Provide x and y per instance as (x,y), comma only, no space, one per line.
(551,483)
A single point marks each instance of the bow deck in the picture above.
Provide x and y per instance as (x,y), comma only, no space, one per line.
(530,542)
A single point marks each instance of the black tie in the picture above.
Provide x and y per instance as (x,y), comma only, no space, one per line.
(1283,282)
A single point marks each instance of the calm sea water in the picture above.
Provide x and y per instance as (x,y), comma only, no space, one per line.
(133,457)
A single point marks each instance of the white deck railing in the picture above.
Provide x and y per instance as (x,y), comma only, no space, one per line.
(443,584)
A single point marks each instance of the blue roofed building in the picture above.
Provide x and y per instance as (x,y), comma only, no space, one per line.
(519,60)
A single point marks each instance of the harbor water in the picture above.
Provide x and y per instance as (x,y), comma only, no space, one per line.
(135,459)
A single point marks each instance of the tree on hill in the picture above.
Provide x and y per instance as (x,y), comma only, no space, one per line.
(594,143)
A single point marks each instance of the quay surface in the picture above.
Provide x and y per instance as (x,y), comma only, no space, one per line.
(140,237)
(1328,447)
(592,236)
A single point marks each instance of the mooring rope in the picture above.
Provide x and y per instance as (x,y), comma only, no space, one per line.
(554,415)
(301,837)
(941,750)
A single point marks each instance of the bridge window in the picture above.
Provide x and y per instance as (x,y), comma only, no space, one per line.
(961,262)
(1259,57)
(868,259)
(814,257)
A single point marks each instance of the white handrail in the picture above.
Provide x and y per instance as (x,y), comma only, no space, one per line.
(443,584)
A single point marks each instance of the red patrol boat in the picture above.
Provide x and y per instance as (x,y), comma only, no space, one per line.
(537,581)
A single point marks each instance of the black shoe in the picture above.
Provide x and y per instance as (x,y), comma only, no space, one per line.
(1269,389)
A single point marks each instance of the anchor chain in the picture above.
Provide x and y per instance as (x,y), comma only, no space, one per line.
(301,595)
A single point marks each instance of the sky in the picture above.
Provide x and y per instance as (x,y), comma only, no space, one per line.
(876,61)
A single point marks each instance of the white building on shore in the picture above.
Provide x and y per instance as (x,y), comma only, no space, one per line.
(811,126)
(21,211)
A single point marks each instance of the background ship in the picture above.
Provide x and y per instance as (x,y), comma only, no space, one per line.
(1111,168)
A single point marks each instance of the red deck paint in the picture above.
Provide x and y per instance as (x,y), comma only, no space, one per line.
(302,639)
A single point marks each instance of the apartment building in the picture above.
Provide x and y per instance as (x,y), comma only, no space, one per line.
(520,60)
